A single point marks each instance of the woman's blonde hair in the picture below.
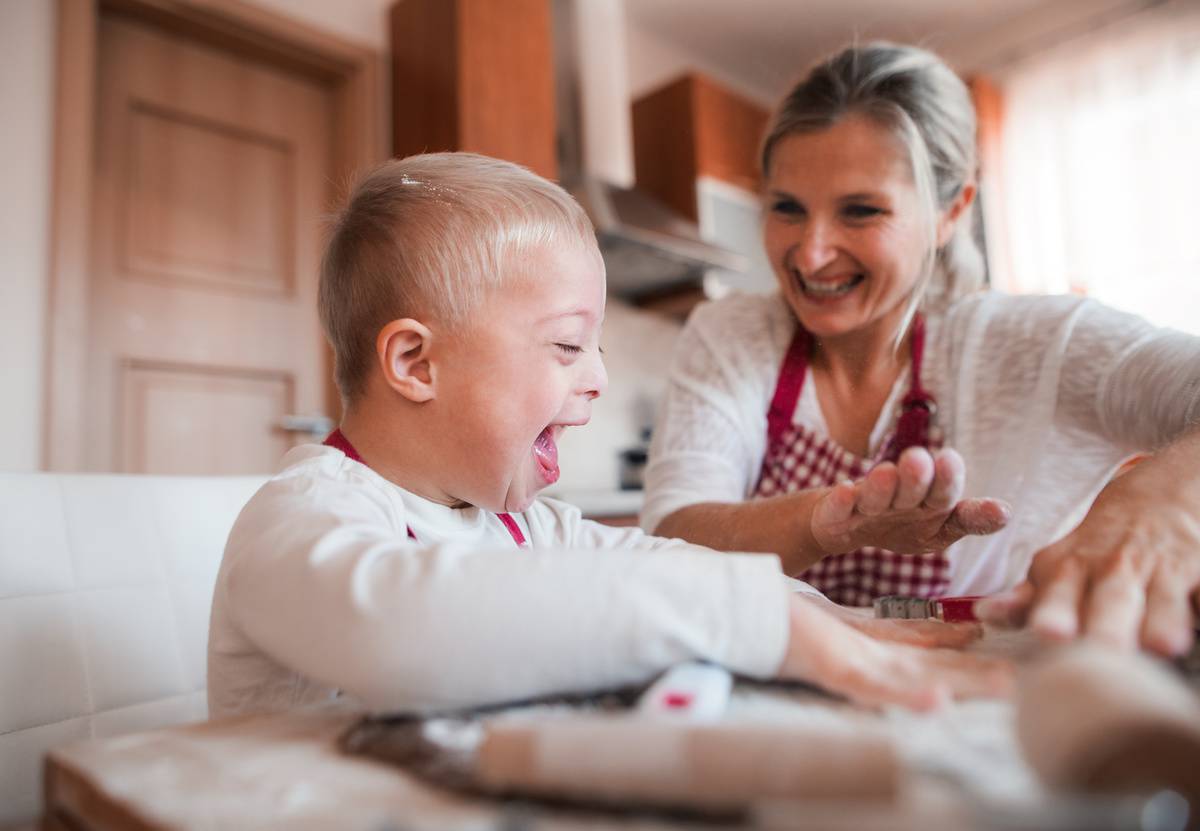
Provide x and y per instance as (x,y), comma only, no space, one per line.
(427,237)
(912,93)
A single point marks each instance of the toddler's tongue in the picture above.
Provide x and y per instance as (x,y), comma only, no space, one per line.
(546,453)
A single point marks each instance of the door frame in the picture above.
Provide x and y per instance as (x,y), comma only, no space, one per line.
(353,72)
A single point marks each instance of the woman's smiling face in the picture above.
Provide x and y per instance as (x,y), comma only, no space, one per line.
(844,227)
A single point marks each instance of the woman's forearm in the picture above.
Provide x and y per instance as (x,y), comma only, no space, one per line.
(914,505)
(1172,474)
(780,525)
(1130,573)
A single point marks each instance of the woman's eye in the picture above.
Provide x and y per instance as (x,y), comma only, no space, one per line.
(569,348)
(861,211)
(787,207)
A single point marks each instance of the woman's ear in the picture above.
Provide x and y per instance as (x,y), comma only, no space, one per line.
(950,216)
(403,348)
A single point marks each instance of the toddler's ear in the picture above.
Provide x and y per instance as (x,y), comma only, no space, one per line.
(403,351)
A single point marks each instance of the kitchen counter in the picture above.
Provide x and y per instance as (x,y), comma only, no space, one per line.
(285,771)
(602,503)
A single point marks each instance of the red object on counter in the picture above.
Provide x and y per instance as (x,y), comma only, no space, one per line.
(948,609)
(958,609)
(678,700)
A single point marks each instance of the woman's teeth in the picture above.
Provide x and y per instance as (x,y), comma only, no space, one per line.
(830,288)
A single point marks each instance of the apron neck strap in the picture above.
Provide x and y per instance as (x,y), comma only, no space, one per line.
(916,408)
(338,441)
(791,381)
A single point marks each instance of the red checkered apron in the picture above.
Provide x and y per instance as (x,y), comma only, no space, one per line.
(798,458)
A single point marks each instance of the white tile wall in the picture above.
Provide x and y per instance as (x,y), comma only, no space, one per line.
(190,605)
(105,589)
(111,532)
(182,517)
(41,652)
(40,560)
(177,709)
(21,753)
(130,646)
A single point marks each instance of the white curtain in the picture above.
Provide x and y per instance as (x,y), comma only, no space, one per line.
(1098,190)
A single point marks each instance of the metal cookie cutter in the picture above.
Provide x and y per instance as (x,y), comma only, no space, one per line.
(948,609)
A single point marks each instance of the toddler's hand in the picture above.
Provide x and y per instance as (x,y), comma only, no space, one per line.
(824,650)
(926,633)
(912,506)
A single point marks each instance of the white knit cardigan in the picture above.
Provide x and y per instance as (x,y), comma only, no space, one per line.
(1042,396)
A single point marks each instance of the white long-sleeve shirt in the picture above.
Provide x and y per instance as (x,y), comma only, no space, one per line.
(1042,396)
(321,591)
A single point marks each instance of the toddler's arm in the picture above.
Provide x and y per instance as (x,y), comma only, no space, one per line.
(333,590)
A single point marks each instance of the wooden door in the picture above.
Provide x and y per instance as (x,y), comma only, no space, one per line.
(212,172)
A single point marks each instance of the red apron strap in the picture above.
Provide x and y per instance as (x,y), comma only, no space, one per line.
(916,409)
(789,385)
(514,530)
(337,440)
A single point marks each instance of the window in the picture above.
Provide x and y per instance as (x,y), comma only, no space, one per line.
(1098,186)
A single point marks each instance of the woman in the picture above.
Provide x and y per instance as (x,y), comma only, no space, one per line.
(879,344)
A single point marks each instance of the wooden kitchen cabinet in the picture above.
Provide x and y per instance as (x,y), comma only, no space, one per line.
(696,149)
(694,128)
(474,75)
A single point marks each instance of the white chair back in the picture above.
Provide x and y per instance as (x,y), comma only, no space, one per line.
(105,587)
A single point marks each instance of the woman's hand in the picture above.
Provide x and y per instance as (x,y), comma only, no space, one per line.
(825,650)
(1130,573)
(913,506)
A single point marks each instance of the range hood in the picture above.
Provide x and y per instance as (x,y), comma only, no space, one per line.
(648,249)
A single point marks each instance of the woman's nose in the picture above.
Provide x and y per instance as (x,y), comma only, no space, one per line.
(815,249)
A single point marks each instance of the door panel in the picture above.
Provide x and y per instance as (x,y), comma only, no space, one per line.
(212,172)
(173,415)
(183,223)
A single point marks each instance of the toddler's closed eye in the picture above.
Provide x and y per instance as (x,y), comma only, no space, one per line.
(569,348)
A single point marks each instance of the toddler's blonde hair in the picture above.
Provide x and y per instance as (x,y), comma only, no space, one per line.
(427,237)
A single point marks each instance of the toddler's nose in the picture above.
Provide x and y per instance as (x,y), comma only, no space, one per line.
(595,378)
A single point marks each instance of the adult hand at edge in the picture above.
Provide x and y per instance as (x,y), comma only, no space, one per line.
(1129,575)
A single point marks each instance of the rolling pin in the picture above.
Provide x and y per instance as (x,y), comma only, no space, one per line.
(1097,720)
(634,759)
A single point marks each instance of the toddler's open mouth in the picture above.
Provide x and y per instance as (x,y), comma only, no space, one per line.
(545,453)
